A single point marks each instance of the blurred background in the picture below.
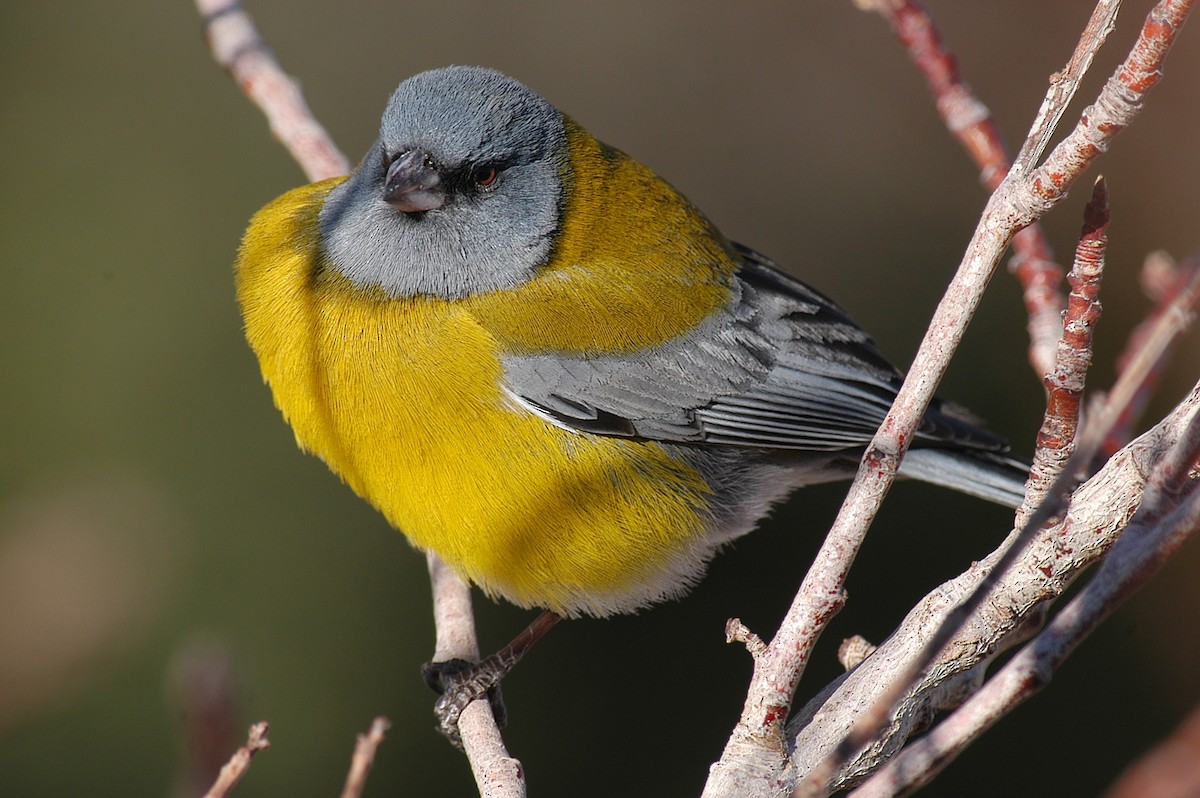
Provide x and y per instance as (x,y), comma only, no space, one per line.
(172,568)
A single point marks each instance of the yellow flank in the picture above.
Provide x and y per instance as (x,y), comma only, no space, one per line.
(635,264)
(402,398)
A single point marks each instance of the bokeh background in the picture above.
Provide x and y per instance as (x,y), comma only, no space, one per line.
(171,568)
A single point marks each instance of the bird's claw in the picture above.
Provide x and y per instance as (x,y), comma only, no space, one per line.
(458,683)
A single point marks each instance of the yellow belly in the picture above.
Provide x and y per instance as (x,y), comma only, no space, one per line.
(402,398)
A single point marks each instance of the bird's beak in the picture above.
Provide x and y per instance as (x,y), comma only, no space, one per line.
(412,184)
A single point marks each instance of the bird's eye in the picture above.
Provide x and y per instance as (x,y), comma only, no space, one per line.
(484,176)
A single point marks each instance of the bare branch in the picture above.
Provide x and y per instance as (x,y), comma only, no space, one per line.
(1100,511)
(1117,105)
(1150,540)
(1165,283)
(1064,388)
(237,46)
(239,763)
(1100,423)
(497,774)
(1058,431)
(753,752)
(364,756)
(972,123)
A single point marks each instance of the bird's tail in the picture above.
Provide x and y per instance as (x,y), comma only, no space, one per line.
(986,475)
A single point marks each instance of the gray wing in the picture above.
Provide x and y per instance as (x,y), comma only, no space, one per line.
(782,367)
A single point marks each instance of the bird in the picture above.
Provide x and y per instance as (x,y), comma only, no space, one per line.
(539,360)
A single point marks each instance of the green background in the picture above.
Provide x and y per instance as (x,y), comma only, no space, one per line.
(156,519)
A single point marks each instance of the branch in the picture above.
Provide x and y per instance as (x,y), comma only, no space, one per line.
(1164,282)
(364,756)
(239,763)
(1115,108)
(1159,528)
(497,774)
(1064,388)
(754,757)
(1099,426)
(970,121)
(1100,511)
(238,47)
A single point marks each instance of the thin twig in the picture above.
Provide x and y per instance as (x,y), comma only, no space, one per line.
(1165,283)
(972,123)
(1064,388)
(239,763)
(497,774)
(364,756)
(237,46)
(1117,105)
(1160,527)
(1099,513)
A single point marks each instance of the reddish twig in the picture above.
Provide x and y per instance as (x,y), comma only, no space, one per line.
(1168,516)
(364,756)
(753,753)
(1017,203)
(239,763)
(1175,289)
(965,116)
(1064,388)
(972,123)
(1040,276)
(237,46)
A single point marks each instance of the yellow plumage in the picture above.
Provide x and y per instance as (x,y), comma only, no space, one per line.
(403,397)
(540,361)
(634,266)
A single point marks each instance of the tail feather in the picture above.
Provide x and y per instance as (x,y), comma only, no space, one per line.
(985,475)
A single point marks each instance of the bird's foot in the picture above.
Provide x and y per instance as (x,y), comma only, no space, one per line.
(458,683)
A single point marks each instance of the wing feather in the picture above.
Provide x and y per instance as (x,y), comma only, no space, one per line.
(781,367)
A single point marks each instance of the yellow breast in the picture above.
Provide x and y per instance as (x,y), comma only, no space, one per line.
(403,399)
